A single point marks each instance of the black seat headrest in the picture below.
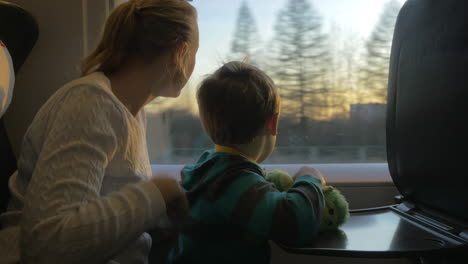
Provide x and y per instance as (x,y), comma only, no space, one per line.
(428,90)
(18,30)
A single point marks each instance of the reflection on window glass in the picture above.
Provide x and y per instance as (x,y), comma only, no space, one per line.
(329,59)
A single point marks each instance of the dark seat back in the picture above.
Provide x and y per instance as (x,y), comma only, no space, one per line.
(19,32)
(427,105)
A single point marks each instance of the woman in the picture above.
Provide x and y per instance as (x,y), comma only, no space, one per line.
(81,193)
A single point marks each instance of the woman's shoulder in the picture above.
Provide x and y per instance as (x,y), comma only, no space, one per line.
(95,85)
(87,98)
(91,91)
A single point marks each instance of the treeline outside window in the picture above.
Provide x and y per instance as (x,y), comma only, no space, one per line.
(329,59)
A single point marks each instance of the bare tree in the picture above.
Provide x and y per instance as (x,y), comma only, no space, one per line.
(246,39)
(300,60)
(377,56)
(342,78)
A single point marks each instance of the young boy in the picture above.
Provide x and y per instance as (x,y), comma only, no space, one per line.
(234,210)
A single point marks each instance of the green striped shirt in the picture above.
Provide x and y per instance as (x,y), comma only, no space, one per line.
(235,211)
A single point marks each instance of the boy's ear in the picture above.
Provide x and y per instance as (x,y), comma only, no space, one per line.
(272,124)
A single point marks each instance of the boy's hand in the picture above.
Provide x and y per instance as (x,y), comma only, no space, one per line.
(174,197)
(309,171)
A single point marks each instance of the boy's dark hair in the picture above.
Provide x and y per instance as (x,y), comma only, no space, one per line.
(235,102)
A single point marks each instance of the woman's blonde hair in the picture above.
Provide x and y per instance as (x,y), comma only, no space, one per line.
(141,29)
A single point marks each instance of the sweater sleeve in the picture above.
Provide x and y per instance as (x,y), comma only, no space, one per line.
(65,220)
(256,206)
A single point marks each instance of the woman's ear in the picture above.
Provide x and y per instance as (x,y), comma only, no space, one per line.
(180,54)
(272,124)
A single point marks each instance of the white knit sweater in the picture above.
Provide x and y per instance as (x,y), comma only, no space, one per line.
(81,194)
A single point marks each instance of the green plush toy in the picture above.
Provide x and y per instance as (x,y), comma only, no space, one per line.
(335,212)
(280,179)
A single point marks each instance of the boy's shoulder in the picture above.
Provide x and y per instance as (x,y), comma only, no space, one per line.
(212,164)
(233,163)
(211,158)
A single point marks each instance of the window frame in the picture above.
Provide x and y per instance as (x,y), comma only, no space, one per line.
(365,185)
(339,174)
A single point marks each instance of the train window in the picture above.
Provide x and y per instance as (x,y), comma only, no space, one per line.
(329,58)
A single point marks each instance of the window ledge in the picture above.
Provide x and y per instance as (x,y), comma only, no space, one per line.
(343,174)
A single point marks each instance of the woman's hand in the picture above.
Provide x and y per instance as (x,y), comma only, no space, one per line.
(309,171)
(177,206)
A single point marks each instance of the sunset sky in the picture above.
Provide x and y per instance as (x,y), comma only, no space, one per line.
(217,22)
(217,19)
